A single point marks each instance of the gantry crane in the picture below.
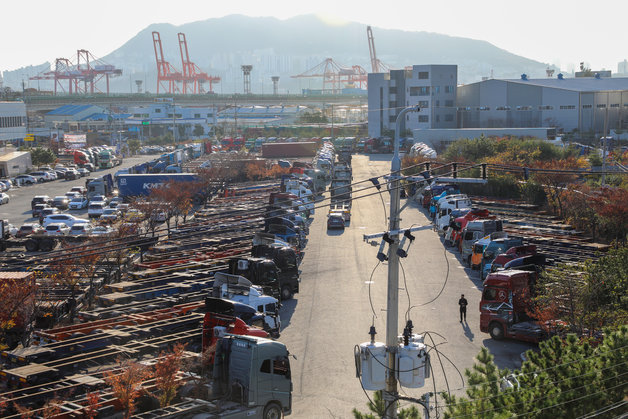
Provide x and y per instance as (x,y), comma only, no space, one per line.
(335,76)
(376,65)
(192,74)
(166,73)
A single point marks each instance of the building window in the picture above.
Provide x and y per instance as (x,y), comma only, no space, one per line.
(392,90)
(436,89)
(424,104)
(587,106)
(502,108)
(424,118)
(567,107)
(449,117)
(449,89)
(423,75)
(157,110)
(546,108)
(614,105)
(392,119)
(420,91)
(437,104)
(197,115)
(601,105)
(524,108)
(483,108)
(392,105)
(449,103)
(437,118)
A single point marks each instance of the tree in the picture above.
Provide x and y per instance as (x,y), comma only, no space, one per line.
(134,145)
(555,175)
(166,371)
(566,378)
(126,383)
(611,205)
(42,156)
(198,130)
(16,310)
(378,408)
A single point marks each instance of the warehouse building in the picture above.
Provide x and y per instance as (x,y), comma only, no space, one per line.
(15,163)
(431,87)
(585,105)
(12,122)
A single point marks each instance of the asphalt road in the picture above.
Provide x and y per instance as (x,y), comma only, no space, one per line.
(332,312)
(18,210)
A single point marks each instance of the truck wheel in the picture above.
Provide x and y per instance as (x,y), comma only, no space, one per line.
(47,245)
(286,293)
(32,245)
(469,261)
(273,411)
(496,330)
(3,246)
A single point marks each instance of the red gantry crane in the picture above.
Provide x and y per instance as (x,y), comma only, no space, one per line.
(167,75)
(376,65)
(82,77)
(336,76)
(193,77)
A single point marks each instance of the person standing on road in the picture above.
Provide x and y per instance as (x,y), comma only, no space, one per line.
(462,302)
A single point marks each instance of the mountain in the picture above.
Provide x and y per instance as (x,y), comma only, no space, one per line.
(289,47)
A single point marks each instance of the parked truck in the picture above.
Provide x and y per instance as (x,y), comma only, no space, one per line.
(296,149)
(504,306)
(131,185)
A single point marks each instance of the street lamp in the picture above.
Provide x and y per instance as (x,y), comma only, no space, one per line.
(392,309)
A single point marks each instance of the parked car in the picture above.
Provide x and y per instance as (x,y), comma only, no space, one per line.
(26,179)
(158,216)
(83,172)
(335,221)
(81,230)
(7,183)
(123,208)
(40,199)
(78,203)
(79,189)
(72,174)
(41,176)
(110,214)
(89,167)
(61,202)
(95,209)
(48,211)
(99,198)
(60,173)
(53,174)
(4,198)
(71,195)
(57,229)
(66,219)
(102,231)
(28,229)
(38,208)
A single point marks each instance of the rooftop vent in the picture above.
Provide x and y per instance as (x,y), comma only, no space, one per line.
(597,75)
(560,76)
(524,76)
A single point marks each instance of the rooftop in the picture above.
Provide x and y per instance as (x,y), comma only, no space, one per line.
(578,84)
(12,155)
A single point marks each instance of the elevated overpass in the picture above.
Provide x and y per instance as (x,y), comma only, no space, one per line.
(37,103)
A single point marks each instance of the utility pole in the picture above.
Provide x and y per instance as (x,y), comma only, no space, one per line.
(604,144)
(392,309)
(174,130)
(332,122)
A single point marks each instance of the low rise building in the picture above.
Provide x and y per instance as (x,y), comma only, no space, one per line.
(12,122)
(14,163)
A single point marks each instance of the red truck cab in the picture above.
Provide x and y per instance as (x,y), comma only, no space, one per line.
(503,307)
(511,254)
(461,223)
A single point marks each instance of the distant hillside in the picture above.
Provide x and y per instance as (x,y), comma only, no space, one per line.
(288,47)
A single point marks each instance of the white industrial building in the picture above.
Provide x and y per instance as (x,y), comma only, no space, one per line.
(14,163)
(12,122)
(431,87)
(585,105)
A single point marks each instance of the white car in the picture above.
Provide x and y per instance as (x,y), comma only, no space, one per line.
(4,198)
(78,203)
(95,209)
(101,231)
(57,229)
(41,176)
(110,214)
(98,198)
(66,219)
(26,180)
(81,230)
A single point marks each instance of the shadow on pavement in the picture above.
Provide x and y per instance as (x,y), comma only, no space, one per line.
(287,310)
(467,331)
(503,352)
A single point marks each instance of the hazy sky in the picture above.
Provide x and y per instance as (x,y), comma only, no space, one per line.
(556,32)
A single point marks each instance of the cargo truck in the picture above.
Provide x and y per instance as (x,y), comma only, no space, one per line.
(131,185)
(296,149)
(504,306)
